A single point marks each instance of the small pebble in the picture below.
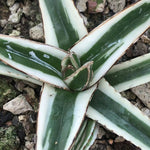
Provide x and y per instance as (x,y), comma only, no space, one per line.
(110,141)
(143,93)
(146,111)
(15,33)
(3,22)
(81,5)
(10,2)
(95,6)
(116,5)
(15,17)
(119,139)
(18,105)
(36,32)
(14,8)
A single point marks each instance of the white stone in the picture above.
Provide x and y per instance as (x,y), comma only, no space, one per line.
(18,105)
(29,145)
(146,111)
(15,33)
(100,7)
(3,22)
(10,2)
(119,139)
(81,5)
(101,133)
(143,93)
(85,20)
(116,5)
(95,6)
(15,17)
(36,32)
(27,8)
(14,8)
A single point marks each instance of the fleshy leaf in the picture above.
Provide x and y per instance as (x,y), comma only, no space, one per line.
(10,72)
(119,115)
(110,40)
(130,73)
(81,78)
(63,25)
(40,61)
(69,65)
(87,134)
(60,116)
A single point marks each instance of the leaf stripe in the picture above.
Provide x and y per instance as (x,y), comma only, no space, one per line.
(85,139)
(111,39)
(64,28)
(60,117)
(130,73)
(10,72)
(38,60)
(119,115)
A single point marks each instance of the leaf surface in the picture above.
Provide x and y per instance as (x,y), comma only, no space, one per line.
(10,72)
(87,135)
(119,115)
(130,73)
(63,25)
(60,116)
(40,61)
(110,40)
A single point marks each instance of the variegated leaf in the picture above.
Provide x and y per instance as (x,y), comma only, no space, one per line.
(119,115)
(110,40)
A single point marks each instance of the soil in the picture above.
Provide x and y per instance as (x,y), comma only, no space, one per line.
(22,127)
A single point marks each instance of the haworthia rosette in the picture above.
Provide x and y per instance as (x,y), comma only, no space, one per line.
(63,25)
(116,113)
(40,61)
(60,116)
(130,73)
(110,40)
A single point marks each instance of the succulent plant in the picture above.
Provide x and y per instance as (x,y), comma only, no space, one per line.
(73,70)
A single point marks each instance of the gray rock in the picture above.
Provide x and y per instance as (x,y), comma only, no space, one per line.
(146,111)
(15,17)
(18,105)
(119,139)
(101,133)
(29,145)
(30,92)
(15,33)
(81,5)
(10,2)
(96,6)
(116,5)
(3,22)
(143,93)
(139,49)
(138,103)
(27,8)
(14,8)
(36,32)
